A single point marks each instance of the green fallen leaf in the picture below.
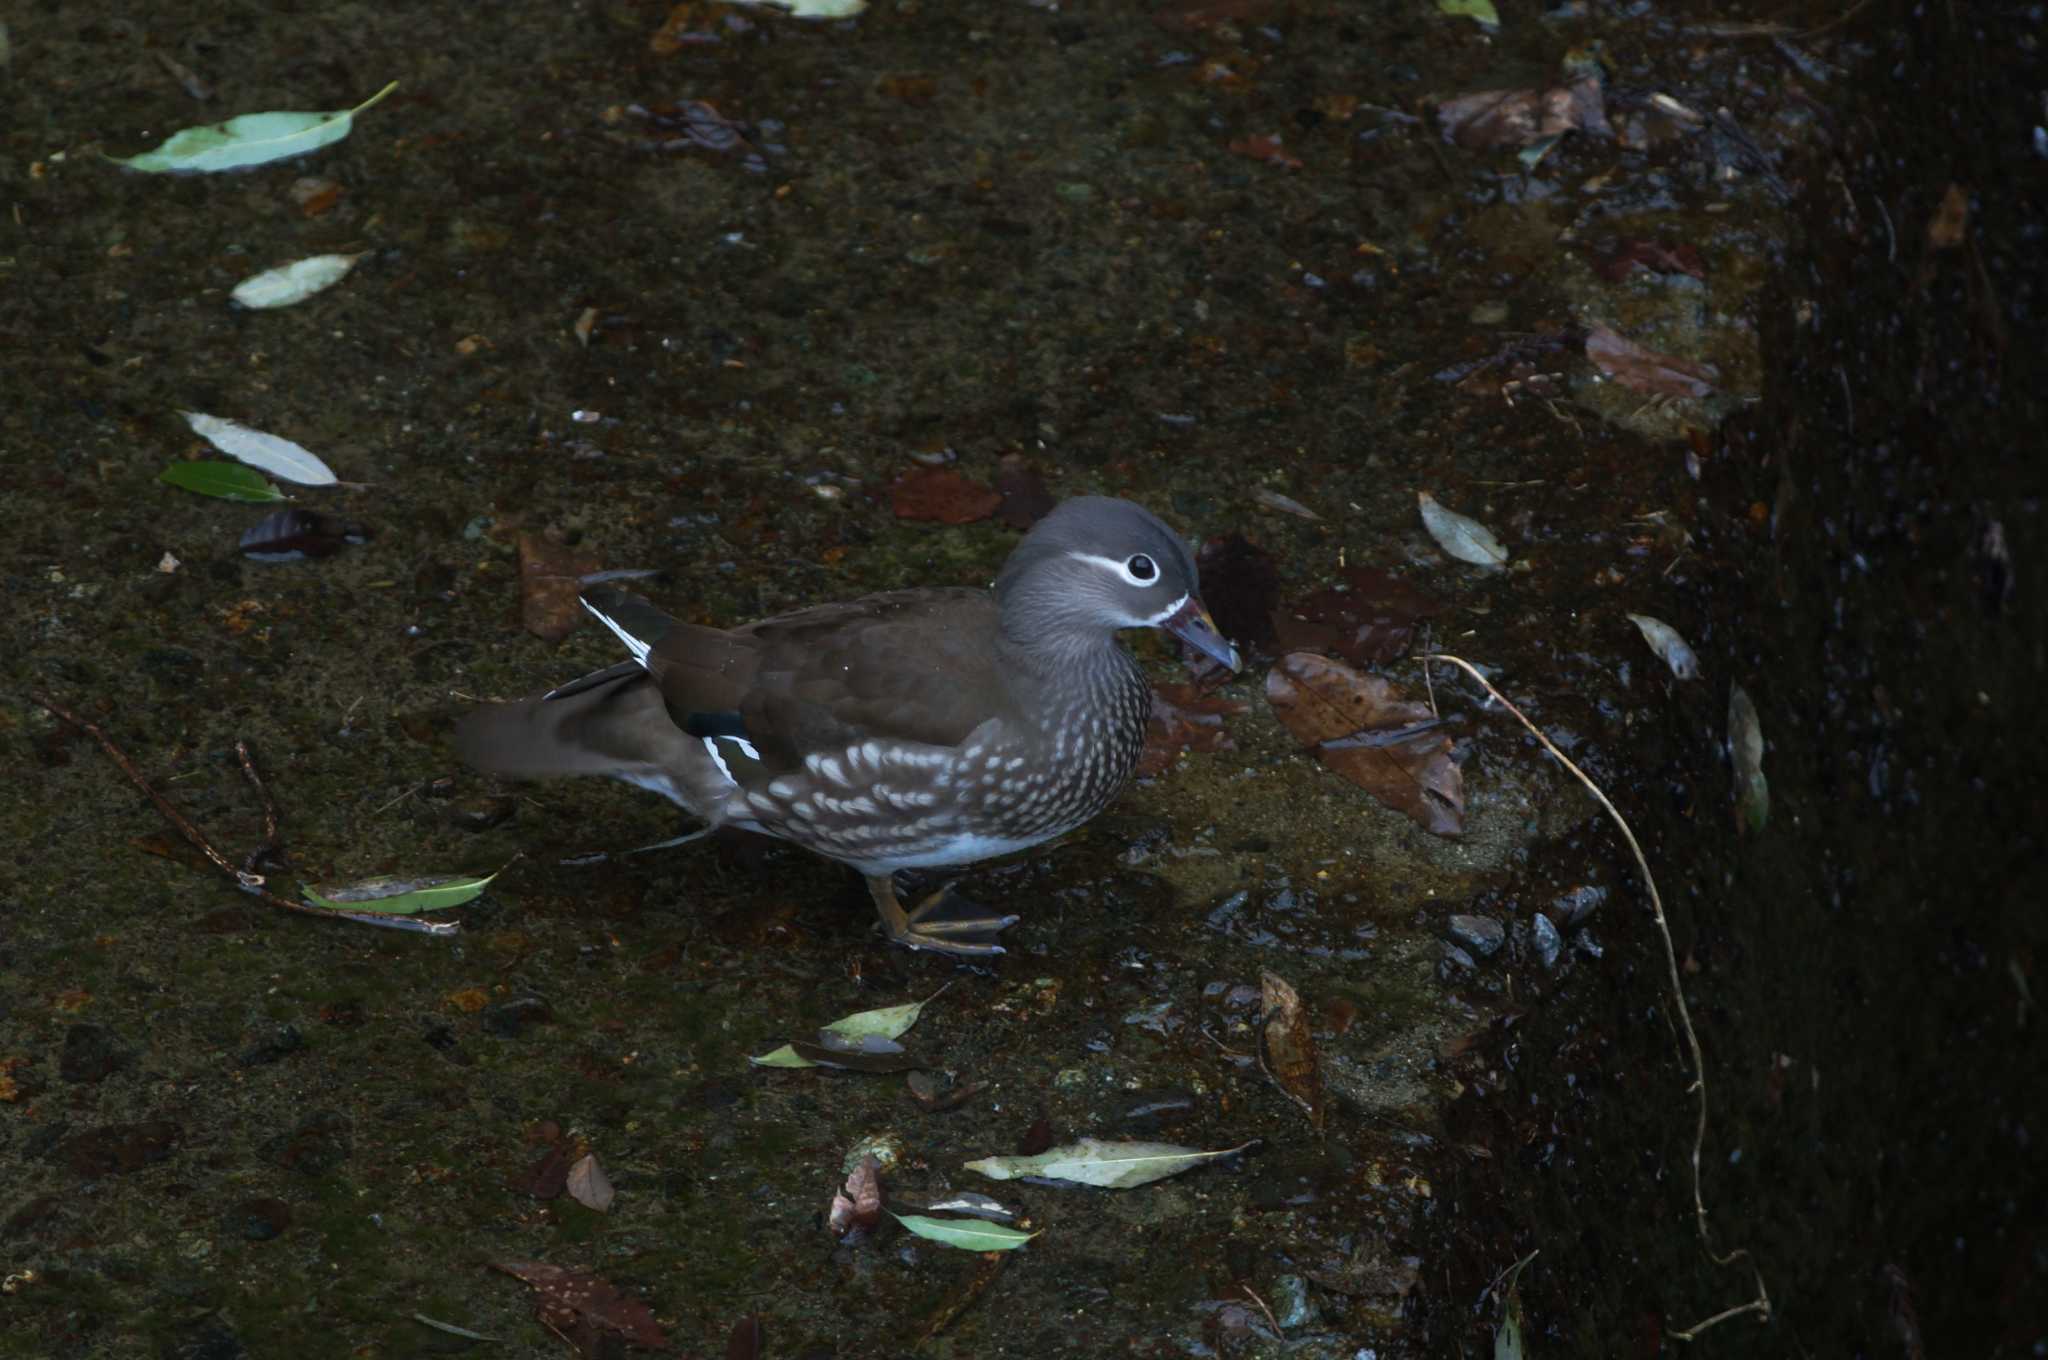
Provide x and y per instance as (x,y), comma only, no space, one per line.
(251,139)
(1480,10)
(227,481)
(400,896)
(1111,1166)
(968,1234)
(813,9)
(890,1022)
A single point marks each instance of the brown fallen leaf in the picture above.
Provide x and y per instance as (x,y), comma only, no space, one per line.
(1368,618)
(1287,1047)
(1025,499)
(588,1185)
(1658,257)
(1494,118)
(550,579)
(1184,719)
(1361,727)
(1646,371)
(583,1307)
(857,1210)
(944,496)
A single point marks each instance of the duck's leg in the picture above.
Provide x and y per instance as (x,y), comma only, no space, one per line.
(944,924)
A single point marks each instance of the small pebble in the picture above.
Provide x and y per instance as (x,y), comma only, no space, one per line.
(508,1018)
(1548,945)
(1480,934)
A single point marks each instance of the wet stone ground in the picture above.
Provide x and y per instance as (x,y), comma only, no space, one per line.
(1219,259)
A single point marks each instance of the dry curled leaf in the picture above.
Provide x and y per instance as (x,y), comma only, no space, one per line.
(550,582)
(1364,729)
(857,1209)
(1287,1048)
(1494,118)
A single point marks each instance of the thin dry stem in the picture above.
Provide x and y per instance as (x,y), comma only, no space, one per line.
(244,878)
(1761,1304)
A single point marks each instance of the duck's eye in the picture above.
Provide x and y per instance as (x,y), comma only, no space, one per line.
(1142,569)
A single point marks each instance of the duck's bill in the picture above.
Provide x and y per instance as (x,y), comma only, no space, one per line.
(1191,624)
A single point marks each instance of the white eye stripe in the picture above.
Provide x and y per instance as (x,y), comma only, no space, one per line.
(1121,568)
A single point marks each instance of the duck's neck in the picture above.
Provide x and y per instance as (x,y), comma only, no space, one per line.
(1069,668)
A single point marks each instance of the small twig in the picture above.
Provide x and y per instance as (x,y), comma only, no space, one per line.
(249,882)
(269,849)
(1278,1330)
(1761,1304)
(1508,1274)
(992,1263)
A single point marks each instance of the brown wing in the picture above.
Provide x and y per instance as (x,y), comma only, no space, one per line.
(913,666)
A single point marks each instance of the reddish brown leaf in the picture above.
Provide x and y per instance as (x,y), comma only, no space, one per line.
(1184,719)
(1025,499)
(857,1208)
(1267,148)
(1658,257)
(1369,618)
(550,579)
(943,495)
(569,1298)
(1646,371)
(1360,726)
(1287,1048)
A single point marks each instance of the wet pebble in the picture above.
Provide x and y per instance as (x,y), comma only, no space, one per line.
(1548,943)
(1455,960)
(1578,904)
(284,1041)
(92,1053)
(118,1148)
(1480,934)
(259,1220)
(1151,1112)
(1586,944)
(320,1143)
(508,1018)
(1292,1307)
